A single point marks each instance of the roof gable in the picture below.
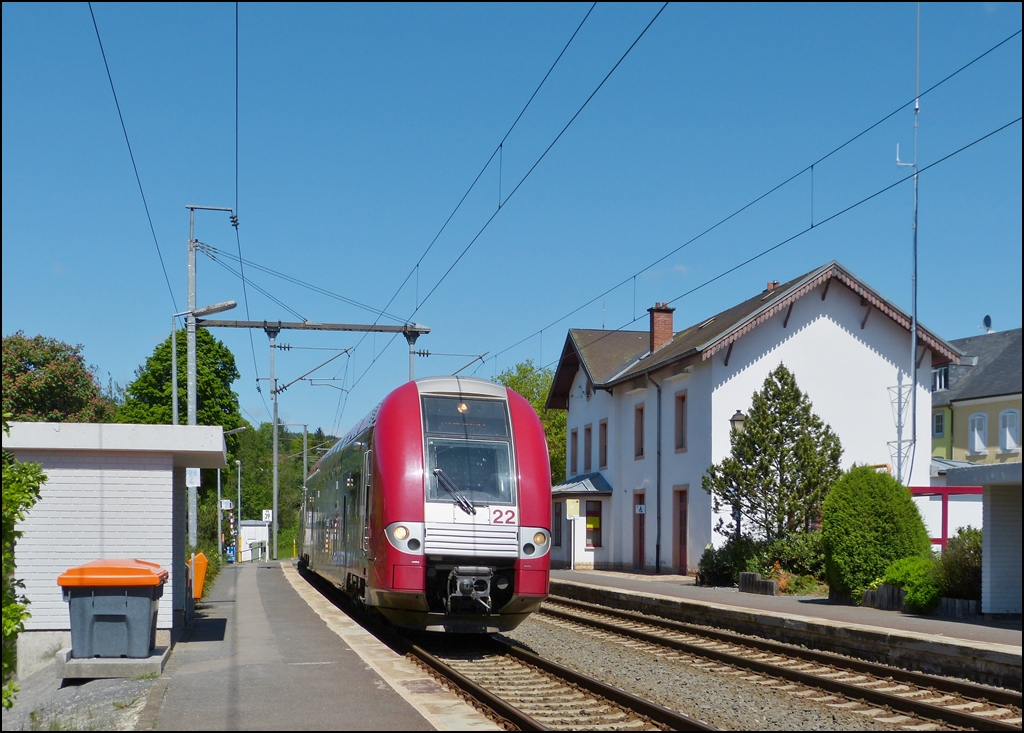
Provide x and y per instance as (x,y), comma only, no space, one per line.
(613,357)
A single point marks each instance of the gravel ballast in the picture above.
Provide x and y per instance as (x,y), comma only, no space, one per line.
(715,698)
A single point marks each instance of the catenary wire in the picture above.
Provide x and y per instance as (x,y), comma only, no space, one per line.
(295,281)
(131,154)
(256,287)
(773,189)
(520,183)
(415,268)
(804,231)
(238,237)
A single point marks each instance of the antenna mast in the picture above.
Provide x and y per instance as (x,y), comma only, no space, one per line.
(904,472)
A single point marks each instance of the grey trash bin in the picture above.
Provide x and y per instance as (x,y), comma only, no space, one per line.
(113,606)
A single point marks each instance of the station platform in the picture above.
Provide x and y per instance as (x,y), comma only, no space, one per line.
(985,651)
(267,651)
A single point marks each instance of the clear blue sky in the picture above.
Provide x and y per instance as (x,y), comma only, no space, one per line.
(361,127)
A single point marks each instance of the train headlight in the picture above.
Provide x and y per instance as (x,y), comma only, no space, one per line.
(401,532)
(539,538)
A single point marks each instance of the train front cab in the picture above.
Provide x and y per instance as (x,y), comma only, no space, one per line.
(461,508)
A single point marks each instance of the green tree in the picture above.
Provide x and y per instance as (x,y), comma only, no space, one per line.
(147,398)
(782,464)
(21,482)
(45,380)
(534,384)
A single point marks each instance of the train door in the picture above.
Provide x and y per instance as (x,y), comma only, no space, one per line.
(639,529)
(366,505)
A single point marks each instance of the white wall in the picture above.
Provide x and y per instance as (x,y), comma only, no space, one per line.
(845,371)
(1001,550)
(93,506)
(964,510)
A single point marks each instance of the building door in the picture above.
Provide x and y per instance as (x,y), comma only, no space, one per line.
(639,529)
(682,523)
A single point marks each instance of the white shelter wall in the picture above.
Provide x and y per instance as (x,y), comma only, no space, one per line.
(1001,550)
(114,505)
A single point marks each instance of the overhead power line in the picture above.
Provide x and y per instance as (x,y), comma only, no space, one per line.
(807,229)
(522,180)
(131,155)
(301,283)
(807,168)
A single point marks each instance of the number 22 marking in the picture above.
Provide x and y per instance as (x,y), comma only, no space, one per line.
(503,516)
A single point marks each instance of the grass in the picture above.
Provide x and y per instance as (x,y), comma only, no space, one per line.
(121,705)
(146,676)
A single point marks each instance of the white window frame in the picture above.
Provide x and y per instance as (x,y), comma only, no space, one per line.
(1009,431)
(977,434)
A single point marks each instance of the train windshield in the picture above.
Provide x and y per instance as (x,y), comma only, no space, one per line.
(465,417)
(481,470)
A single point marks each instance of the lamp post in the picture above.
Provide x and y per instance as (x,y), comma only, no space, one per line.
(193,534)
(220,532)
(736,425)
(238,522)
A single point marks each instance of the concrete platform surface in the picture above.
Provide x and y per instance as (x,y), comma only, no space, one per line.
(69,668)
(681,586)
(260,657)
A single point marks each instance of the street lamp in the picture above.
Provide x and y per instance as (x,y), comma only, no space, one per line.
(736,421)
(193,509)
(206,310)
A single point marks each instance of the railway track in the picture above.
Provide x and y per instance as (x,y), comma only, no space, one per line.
(519,687)
(533,693)
(897,697)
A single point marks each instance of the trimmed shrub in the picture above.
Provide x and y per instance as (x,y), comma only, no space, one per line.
(721,567)
(959,571)
(918,576)
(869,521)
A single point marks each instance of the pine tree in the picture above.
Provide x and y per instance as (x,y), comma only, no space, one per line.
(782,464)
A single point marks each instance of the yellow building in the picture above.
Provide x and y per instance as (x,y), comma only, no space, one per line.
(976,405)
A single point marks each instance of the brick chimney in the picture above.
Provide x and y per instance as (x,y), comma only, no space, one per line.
(661,325)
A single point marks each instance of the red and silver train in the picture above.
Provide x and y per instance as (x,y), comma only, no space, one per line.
(436,508)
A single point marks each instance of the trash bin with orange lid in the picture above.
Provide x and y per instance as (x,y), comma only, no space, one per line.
(113,606)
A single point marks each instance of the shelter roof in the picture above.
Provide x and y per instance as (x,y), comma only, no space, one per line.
(590,483)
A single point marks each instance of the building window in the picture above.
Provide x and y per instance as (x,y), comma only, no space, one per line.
(556,524)
(681,422)
(574,447)
(1009,431)
(638,431)
(602,444)
(938,425)
(977,434)
(940,378)
(588,433)
(593,524)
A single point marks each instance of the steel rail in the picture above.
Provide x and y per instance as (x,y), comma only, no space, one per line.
(509,712)
(994,695)
(657,713)
(895,702)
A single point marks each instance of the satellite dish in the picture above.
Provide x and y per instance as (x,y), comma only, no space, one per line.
(988,323)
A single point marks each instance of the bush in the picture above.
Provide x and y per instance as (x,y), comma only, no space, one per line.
(21,482)
(722,566)
(869,521)
(959,572)
(918,576)
(802,553)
